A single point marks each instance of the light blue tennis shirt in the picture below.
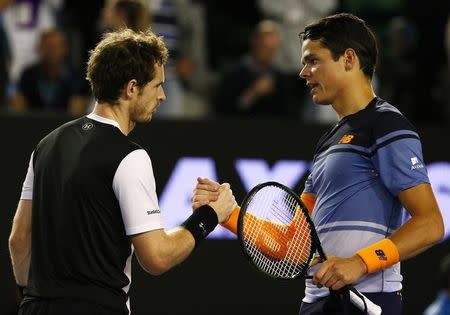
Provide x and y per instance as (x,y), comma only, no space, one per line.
(360,166)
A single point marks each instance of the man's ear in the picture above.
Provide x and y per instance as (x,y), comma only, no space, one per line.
(131,88)
(350,59)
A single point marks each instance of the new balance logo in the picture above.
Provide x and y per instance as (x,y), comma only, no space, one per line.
(415,163)
(149,212)
(346,139)
(380,254)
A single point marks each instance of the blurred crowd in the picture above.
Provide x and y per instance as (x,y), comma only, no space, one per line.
(226,58)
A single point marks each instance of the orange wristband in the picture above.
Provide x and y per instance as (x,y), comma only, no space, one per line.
(231,223)
(379,255)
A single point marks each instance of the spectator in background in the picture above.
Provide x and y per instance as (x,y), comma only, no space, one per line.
(292,16)
(79,20)
(255,86)
(133,14)
(50,84)
(441,305)
(174,20)
(24,21)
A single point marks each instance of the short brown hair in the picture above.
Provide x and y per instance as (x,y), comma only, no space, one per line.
(120,57)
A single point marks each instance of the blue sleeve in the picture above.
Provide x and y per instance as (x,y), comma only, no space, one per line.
(397,154)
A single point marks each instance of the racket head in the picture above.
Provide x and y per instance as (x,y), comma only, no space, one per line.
(275,231)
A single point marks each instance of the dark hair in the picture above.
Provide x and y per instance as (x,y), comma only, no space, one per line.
(342,31)
(120,57)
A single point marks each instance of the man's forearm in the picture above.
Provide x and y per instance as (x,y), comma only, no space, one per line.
(20,258)
(416,235)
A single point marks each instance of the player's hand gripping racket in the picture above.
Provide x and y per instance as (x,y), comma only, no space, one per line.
(279,238)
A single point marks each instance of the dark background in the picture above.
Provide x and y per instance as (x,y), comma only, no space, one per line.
(216,279)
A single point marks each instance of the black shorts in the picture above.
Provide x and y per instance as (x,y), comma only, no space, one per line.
(390,303)
(32,306)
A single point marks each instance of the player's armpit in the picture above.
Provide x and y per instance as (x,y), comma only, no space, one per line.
(309,200)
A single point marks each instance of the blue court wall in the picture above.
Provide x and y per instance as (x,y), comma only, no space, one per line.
(216,279)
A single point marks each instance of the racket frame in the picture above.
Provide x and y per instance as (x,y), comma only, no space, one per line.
(364,304)
(315,242)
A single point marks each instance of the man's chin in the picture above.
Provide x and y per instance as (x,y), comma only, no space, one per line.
(319,101)
(145,120)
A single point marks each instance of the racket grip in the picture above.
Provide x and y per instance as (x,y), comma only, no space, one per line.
(372,308)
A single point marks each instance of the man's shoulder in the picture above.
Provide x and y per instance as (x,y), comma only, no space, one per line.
(91,130)
(383,106)
(387,119)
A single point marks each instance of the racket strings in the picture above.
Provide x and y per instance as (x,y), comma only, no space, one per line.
(277,235)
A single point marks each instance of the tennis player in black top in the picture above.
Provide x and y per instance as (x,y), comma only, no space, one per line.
(89,195)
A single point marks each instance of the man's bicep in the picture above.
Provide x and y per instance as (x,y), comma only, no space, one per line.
(309,200)
(155,250)
(146,244)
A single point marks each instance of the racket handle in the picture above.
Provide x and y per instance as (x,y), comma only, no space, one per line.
(372,308)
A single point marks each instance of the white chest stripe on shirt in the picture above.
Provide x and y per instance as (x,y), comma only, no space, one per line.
(355,223)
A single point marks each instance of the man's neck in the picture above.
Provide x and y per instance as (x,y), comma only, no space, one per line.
(354,99)
(117,113)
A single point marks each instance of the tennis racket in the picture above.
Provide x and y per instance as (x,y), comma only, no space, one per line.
(278,236)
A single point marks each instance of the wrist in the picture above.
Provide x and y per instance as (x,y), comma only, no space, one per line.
(202,222)
(360,263)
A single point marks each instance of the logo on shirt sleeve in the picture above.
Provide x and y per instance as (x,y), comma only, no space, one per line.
(149,212)
(415,163)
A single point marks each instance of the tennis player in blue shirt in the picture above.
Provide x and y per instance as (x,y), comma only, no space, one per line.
(366,170)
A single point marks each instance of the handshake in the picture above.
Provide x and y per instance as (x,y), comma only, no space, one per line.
(218,196)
